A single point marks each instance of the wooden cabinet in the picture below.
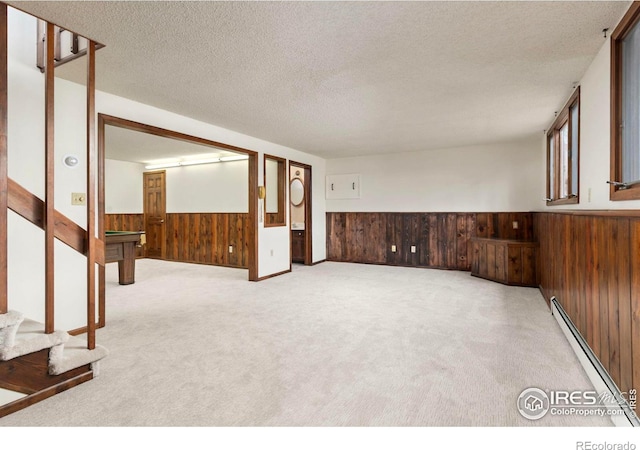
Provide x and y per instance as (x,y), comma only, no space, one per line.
(297,246)
(507,261)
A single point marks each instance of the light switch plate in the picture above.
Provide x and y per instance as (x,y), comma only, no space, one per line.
(78,198)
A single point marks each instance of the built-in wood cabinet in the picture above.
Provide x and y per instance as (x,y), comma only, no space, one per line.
(297,246)
(507,261)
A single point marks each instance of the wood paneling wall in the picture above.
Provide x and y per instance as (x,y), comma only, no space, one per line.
(205,238)
(202,238)
(441,239)
(591,263)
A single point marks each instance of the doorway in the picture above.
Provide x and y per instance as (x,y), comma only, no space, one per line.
(155,210)
(300,213)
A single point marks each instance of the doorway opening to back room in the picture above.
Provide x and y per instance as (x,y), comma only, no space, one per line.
(188,200)
(300,213)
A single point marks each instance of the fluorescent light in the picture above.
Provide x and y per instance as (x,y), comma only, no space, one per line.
(162,166)
(234,158)
(194,162)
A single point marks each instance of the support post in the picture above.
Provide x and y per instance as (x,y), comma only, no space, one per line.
(49,215)
(4,174)
(91,197)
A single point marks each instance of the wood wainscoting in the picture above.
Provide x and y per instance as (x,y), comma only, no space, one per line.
(590,261)
(441,240)
(202,238)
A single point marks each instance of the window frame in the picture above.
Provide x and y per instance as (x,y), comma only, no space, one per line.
(553,135)
(628,22)
(276,219)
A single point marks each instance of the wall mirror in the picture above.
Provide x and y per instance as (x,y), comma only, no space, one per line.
(274,182)
(297,192)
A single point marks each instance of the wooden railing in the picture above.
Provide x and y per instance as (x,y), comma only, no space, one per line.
(42,213)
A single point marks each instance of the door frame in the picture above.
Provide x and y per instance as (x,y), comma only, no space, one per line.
(252,237)
(163,244)
(308,223)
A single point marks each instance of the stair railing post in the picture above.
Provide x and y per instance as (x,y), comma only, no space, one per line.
(91,197)
(4,170)
(49,214)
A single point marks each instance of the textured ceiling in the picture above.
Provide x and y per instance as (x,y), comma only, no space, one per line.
(128,145)
(346,78)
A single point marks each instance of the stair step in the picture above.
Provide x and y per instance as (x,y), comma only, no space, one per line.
(7,396)
(73,354)
(31,338)
(9,323)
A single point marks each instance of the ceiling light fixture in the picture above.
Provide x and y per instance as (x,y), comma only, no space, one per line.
(195,162)
(234,158)
(162,166)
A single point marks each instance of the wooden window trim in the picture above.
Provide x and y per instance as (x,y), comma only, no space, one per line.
(276,219)
(630,19)
(563,119)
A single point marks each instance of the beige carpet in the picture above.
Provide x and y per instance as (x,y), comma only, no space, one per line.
(334,344)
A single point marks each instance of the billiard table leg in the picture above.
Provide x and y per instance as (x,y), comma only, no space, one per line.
(127,265)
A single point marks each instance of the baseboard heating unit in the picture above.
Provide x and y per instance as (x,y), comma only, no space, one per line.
(599,377)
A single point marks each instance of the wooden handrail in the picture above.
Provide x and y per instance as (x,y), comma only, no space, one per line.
(30,207)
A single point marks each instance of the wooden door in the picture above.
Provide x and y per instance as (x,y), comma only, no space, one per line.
(155,213)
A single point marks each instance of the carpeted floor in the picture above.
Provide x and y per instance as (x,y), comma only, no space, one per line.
(334,344)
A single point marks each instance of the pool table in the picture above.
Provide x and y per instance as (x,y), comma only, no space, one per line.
(121,246)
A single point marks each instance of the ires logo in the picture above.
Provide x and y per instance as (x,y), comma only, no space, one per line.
(534,403)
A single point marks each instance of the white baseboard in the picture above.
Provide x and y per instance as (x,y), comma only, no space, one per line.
(602,382)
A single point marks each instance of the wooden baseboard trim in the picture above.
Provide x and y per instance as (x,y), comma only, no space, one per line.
(274,275)
(318,262)
(29,400)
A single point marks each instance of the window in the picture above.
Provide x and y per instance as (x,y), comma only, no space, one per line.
(563,151)
(274,182)
(625,107)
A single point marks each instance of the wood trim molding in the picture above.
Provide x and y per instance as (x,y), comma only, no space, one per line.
(308,212)
(163,132)
(266,277)
(252,238)
(101,210)
(91,196)
(49,219)
(4,177)
(277,219)
(629,20)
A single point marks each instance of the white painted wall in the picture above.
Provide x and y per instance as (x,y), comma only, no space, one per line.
(220,187)
(499,177)
(594,140)
(123,187)
(26,166)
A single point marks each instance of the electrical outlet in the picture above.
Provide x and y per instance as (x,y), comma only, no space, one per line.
(231,249)
(515,224)
(78,198)
(413,249)
(393,248)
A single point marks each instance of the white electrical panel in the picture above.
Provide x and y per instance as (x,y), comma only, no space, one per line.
(343,186)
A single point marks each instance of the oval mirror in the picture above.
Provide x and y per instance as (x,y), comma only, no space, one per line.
(297,191)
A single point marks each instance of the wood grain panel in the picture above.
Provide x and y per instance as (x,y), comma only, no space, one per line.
(442,240)
(591,263)
(205,238)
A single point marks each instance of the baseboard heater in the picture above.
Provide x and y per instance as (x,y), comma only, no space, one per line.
(597,373)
